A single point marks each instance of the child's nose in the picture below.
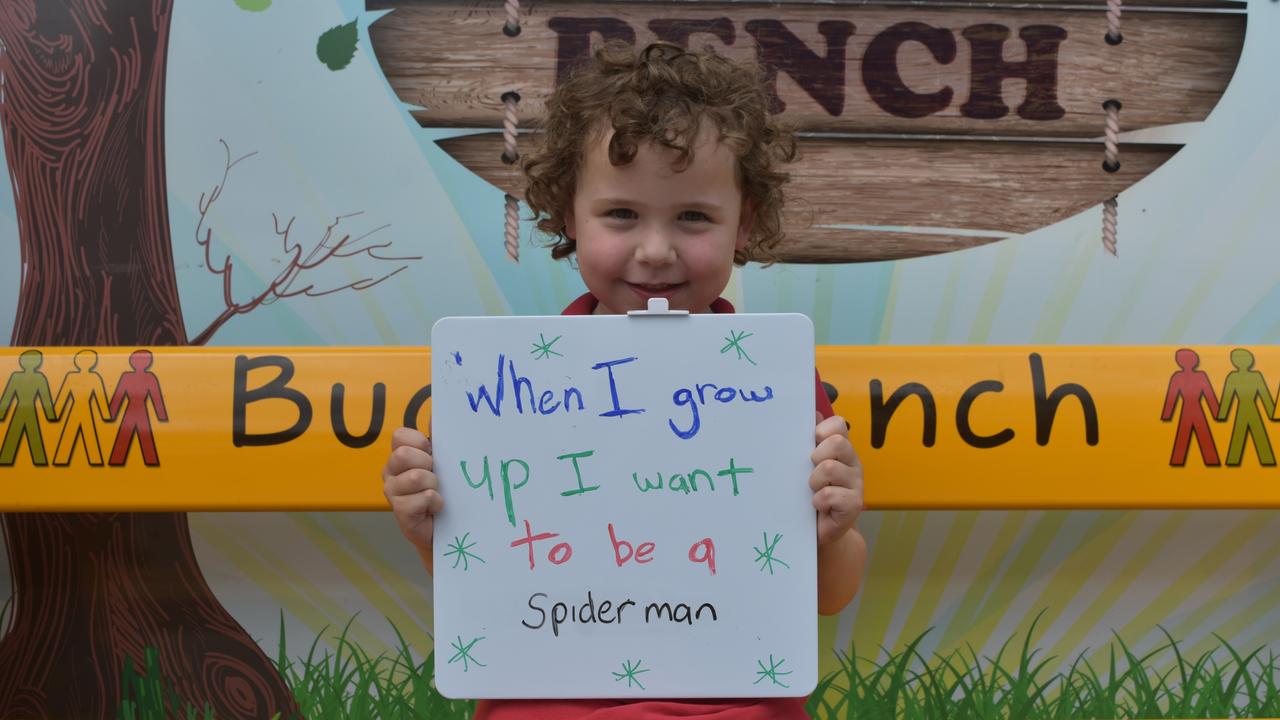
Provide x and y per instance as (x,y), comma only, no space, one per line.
(656,247)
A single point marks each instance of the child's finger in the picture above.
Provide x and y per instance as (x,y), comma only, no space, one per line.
(834,425)
(407,457)
(407,436)
(832,473)
(410,482)
(415,514)
(417,506)
(835,447)
(838,510)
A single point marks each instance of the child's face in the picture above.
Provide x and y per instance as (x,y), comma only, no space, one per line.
(644,230)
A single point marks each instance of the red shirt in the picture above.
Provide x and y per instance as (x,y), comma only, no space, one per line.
(745,709)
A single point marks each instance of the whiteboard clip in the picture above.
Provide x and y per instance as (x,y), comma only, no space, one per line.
(658,306)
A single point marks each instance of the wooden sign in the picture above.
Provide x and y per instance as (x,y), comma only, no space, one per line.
(932,68)
(925,128)
(853,200)
(632,494)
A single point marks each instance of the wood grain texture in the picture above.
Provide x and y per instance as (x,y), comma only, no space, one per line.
(451,58)
(974,185)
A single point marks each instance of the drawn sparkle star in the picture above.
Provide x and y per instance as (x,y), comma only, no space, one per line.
(542,349)
(629,673)
(772,672)
(464,653)
(734,342)
(765,556)
(461,549)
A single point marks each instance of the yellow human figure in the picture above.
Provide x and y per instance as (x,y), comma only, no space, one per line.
(82,390)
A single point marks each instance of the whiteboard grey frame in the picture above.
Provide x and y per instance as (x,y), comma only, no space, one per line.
(763,640)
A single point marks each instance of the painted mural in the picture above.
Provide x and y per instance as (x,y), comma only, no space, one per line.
(255,173)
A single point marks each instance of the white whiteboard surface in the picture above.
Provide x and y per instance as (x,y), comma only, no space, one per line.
(506,630)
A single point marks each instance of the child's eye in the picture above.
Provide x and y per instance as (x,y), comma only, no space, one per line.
(622,214)
(694,216)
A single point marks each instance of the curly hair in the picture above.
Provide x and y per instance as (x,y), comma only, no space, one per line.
(661,94)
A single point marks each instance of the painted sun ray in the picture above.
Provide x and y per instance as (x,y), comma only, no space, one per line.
(358,575)
(1239,610)
(890,305)
(953,582)
(998,554)
(942,323)
(939,575)
(1067,286)
(928,549)
(290,590)
(1106,605)
(1210,277)
(412,597)
(1111,569)
(1197,618)
(1258,323)
(889,560)
(823,303)
(1019,568)
(1256,600)
(1211,569)
(1030,594)
(984,319)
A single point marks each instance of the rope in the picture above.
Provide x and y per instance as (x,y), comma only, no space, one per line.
(1113,23)
(511,206)
(512,230)
(510,156)
(1111,139)
(509,124)
(1111,163)
(512,28)
(1109,220)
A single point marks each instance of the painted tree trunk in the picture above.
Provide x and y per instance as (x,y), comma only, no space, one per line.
(82,112)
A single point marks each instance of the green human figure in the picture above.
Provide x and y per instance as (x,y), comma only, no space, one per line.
(26,387)
(82,390)
(1248,387)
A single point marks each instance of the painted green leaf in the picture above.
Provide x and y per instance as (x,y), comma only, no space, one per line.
(337,46)
(253,5)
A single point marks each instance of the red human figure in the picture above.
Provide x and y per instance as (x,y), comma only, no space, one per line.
(137,386)
(1191,386)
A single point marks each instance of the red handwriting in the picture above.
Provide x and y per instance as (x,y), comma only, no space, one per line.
(560,553)
(624,551)
(640,554)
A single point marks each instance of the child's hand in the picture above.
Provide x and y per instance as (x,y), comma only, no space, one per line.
(836,480)
(411,487)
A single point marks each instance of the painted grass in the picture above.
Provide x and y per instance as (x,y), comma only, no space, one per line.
(1011,685)
(964,686)
(351,685)
(344,683)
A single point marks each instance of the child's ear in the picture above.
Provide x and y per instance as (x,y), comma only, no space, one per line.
(746,222)
(570,224)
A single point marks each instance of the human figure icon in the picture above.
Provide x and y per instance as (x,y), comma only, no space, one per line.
(25,388)
(135,388)
(81,392)
(1194,389)
(1247,386)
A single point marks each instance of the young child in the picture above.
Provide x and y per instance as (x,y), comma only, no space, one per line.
(659,171)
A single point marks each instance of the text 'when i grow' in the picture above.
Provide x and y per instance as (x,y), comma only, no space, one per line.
(526,399)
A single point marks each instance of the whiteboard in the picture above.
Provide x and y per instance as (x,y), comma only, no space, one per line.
(645,527)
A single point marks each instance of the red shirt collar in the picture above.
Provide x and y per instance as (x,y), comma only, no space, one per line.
(587,303)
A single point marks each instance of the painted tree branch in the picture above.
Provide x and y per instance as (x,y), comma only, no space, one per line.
(291,281)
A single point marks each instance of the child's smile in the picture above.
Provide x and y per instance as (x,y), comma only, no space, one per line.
(646,230)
